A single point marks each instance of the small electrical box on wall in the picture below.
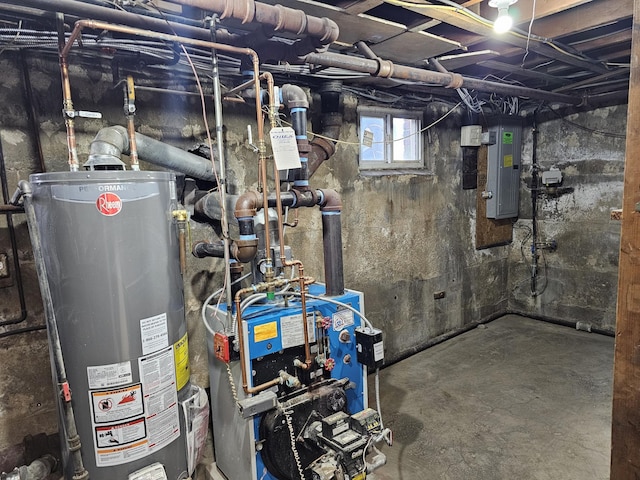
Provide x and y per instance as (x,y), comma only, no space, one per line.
(503,170)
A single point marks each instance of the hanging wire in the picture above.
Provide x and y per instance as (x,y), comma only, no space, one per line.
(533,16)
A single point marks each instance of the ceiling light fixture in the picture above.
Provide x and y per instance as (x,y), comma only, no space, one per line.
(504,22)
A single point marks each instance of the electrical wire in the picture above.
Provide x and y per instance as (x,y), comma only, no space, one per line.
(294,447)
(232,383)
(19,30)
(422,130)
(487,23)
(207,302)
(207,131)
(533,16)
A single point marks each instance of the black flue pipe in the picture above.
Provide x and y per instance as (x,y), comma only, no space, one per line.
(332,249)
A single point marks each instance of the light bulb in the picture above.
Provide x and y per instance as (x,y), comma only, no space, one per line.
(504,22)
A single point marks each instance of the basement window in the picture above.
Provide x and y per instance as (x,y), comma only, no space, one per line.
(390,139)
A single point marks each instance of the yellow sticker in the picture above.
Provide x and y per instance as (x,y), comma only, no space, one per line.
(181,357)
(265,331)
(360,476)
(508,161)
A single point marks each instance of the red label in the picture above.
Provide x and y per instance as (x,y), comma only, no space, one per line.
(109,204)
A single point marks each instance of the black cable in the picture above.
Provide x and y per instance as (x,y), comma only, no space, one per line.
(17,331)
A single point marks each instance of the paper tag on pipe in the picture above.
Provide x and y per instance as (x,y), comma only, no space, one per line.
(285,148)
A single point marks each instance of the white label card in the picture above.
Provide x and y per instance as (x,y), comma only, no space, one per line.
(378,351)
(285,148)
(342,319)
(154,333)
(113,375)
(293,330)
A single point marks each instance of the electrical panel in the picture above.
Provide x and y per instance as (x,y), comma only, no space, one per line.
(503,170)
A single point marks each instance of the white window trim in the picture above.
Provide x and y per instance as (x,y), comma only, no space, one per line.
(388,114)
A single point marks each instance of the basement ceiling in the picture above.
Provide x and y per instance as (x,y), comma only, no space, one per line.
(579,48)
(576,47)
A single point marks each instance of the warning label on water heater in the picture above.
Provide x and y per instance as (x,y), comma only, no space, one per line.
(158,377)
(119,425)
(115,405)
(133,422)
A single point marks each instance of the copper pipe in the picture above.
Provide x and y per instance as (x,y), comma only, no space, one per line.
(183,257)
(261,287)
(295,220)
(303,303)
(67,107)
(97,25)
(253,289)
(263,386)
(283,259)
(263,172)
(286,263)
(234,100)
(130,109)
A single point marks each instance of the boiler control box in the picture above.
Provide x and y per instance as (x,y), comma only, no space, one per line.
(370,347)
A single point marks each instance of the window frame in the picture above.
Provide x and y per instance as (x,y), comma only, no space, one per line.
(388,115)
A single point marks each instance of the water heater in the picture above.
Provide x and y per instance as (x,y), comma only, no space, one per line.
(111,251)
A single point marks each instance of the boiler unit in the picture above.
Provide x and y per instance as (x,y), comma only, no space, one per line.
(313,423)
(110,247)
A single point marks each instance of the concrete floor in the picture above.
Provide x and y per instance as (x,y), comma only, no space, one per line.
(515,399)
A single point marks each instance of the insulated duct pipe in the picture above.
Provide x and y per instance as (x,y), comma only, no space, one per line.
(387,69)
(281,19)
(111,142)
(330,205)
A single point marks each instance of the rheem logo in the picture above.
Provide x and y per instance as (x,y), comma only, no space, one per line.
(109,204)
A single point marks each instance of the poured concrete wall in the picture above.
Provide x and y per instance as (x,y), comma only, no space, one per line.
(577,282)
(405,236)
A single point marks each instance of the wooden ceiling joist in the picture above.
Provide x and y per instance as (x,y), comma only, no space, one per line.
(465,22)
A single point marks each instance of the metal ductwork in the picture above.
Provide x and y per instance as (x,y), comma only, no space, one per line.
(111,142)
